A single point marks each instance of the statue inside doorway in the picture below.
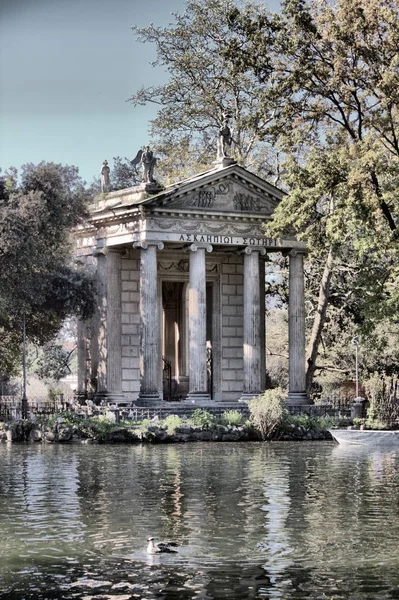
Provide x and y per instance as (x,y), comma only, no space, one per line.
(148,161)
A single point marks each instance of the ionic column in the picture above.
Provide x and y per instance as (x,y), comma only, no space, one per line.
(253,323)
(150,323)
(296,331)
(109,369)
(198,377)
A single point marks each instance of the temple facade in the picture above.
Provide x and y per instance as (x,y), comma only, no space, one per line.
(181,292)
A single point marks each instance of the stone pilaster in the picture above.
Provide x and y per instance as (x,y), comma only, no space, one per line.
(296,331)
(253,322)
(109,369)
(198,377)
(150,358)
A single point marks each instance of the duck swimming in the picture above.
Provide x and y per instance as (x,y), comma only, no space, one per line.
(153,548)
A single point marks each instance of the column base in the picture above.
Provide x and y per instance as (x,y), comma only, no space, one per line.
(297,399)
(198,397)
(109,398)
(248,396)
(148,399)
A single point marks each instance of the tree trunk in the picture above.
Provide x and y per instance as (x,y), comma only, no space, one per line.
(319,320)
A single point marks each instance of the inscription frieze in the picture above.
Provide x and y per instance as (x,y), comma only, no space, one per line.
(227,239)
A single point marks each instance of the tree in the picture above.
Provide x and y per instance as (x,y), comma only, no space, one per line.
(329,72)
(202,87)
(38,281)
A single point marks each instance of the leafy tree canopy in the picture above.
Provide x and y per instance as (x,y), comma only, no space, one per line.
(38,209)
(330,75)
(202,86)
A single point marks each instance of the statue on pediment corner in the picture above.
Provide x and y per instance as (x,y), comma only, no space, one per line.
(105,177)
(148,161)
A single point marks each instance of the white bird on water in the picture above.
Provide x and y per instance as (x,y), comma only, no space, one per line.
(153,548)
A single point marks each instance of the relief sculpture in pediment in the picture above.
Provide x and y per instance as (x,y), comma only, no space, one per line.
(246,202)
(206,198)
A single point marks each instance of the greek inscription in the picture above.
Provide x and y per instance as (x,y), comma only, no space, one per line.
(227,239)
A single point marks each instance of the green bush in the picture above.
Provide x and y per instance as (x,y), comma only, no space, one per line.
(99,428)
(267,412)
(202,418)
(308,422)
(172,422)
(231,418)
(382,392)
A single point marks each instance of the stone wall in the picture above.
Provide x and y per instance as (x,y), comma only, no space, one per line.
(232,327)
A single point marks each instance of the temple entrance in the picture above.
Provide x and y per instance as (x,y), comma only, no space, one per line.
(175,339)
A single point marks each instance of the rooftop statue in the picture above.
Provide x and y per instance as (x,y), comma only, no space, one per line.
(148,161)
(225,138)
(105,177)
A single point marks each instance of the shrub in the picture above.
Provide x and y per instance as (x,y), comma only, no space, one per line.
(99,428)
(382,392)
(172,422)
(308,422)
(267,412)
(202,418)
(232,418)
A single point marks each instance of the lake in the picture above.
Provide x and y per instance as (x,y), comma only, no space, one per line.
(275,520)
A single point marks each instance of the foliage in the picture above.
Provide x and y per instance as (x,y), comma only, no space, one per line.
(123,174)
(202,86)
(309,422)
(266,412)
(231,418)
(329,74)
(202,418)
(277,347)
(53,362)
(172,422)
(382,393)
(38,210)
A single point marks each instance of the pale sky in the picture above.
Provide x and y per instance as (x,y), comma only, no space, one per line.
(67,68)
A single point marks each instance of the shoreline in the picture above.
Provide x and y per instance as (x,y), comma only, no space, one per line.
(30,432)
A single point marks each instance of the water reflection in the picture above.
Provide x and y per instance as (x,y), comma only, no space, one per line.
(277,521)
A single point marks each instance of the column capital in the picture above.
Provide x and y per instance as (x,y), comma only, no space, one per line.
(297,252)
(199,246)
(250,249)
(144,244)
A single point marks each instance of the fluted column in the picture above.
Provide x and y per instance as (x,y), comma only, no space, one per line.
(198,377)
(296,331)
(109,369)
(150,324)
(82,360)
(253,322)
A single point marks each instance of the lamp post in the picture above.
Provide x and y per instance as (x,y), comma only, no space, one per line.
(355,341)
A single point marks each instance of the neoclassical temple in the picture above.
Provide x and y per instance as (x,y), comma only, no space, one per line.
(181,291)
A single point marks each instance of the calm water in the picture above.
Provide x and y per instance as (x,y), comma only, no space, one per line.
(277,521)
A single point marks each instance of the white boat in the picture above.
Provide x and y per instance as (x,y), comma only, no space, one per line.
(366,437)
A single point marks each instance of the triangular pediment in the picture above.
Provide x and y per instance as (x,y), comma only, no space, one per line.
(231,190)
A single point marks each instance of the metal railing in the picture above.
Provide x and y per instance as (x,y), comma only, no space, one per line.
(11,406)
